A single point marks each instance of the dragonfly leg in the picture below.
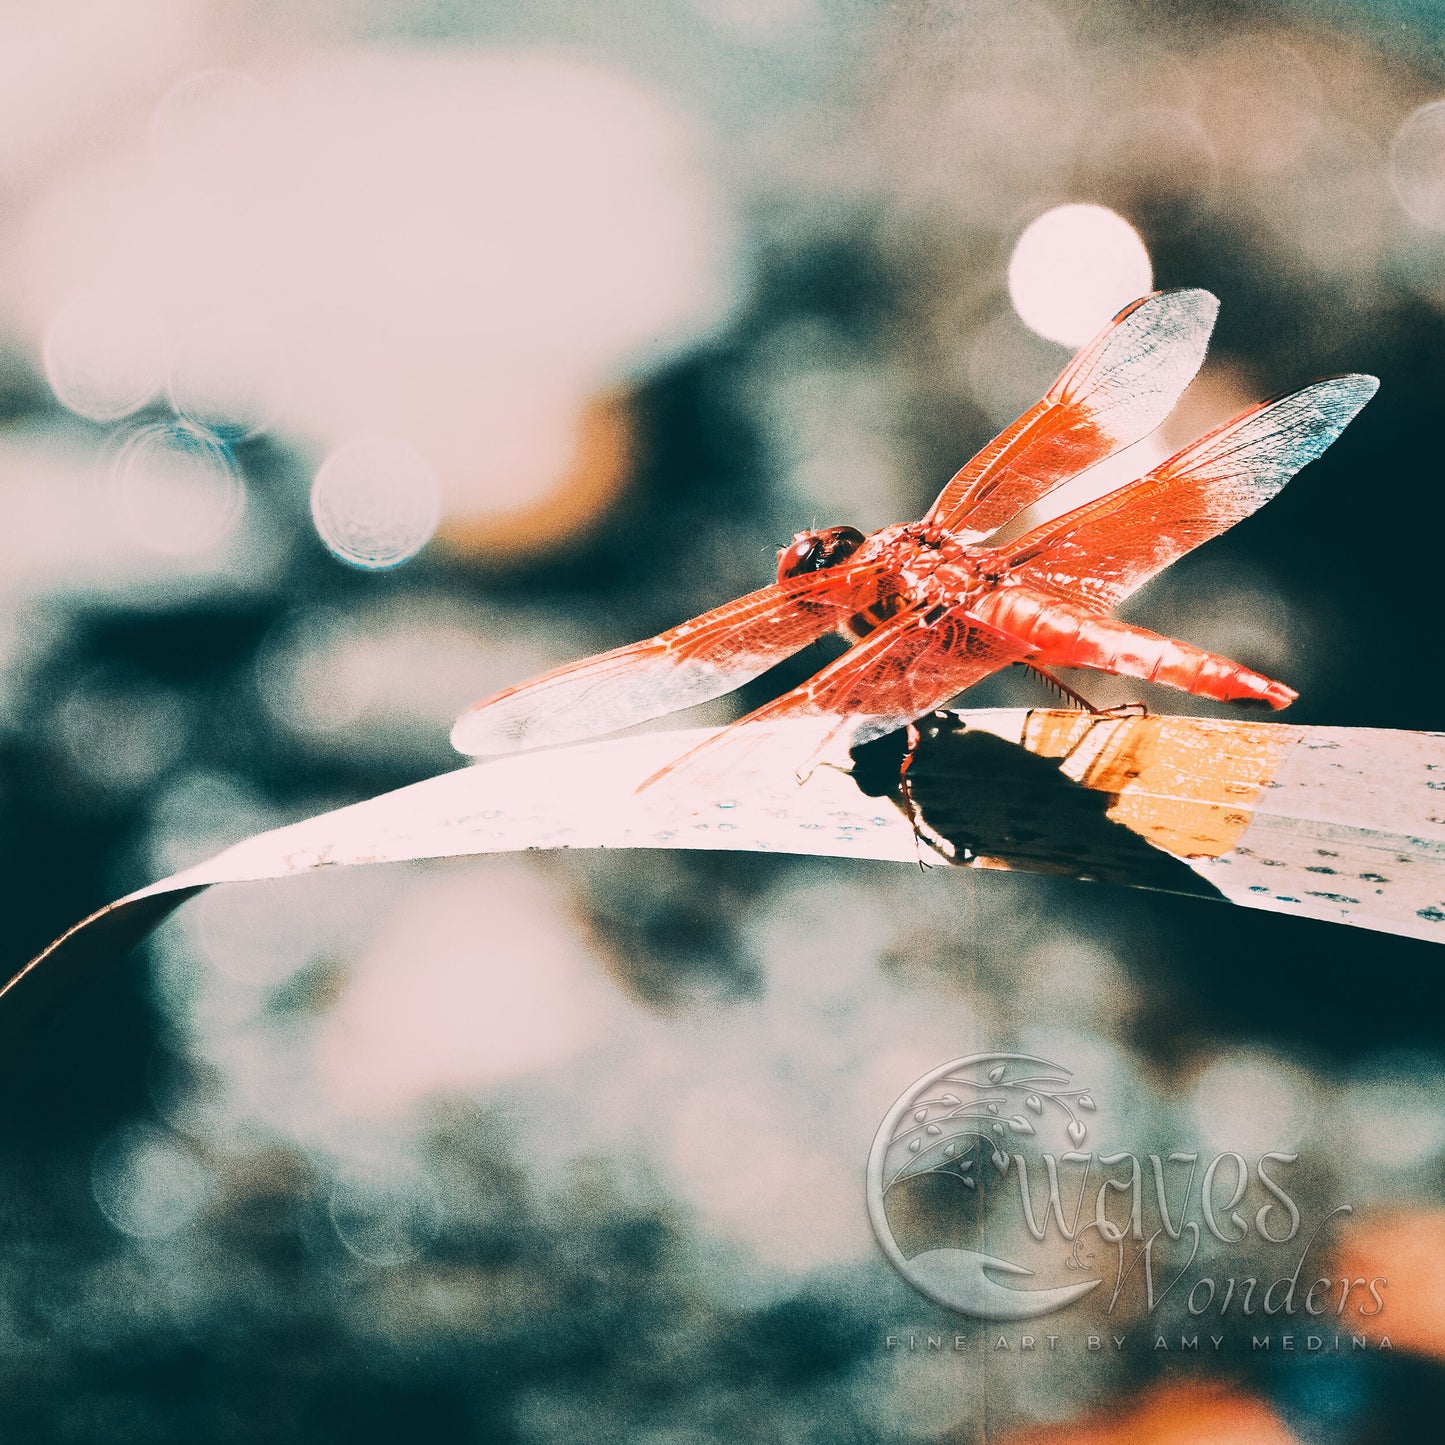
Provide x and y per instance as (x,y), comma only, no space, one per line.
(1123,709)
(910,808)
(1061,687)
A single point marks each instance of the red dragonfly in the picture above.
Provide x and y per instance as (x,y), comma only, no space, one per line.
(933,608)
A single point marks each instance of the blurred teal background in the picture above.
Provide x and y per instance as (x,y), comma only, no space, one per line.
(359,359)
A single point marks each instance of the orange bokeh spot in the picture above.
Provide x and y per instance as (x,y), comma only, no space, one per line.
(599,468)
(1173,1414)
(1406,1249)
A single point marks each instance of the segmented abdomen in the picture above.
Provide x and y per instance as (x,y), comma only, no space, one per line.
(1066,635)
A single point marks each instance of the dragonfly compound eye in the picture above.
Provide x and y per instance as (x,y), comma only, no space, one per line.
(816,551)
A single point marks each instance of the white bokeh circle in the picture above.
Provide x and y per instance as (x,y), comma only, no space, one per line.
(1073,268)
(375,502)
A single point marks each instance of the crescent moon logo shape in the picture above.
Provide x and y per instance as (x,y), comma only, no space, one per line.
(964,1279)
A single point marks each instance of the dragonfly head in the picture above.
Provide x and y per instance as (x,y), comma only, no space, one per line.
(816,551)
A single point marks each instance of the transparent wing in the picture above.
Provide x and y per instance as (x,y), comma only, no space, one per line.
(1101,552)
(905,669)
(1114,393)
(690,663)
